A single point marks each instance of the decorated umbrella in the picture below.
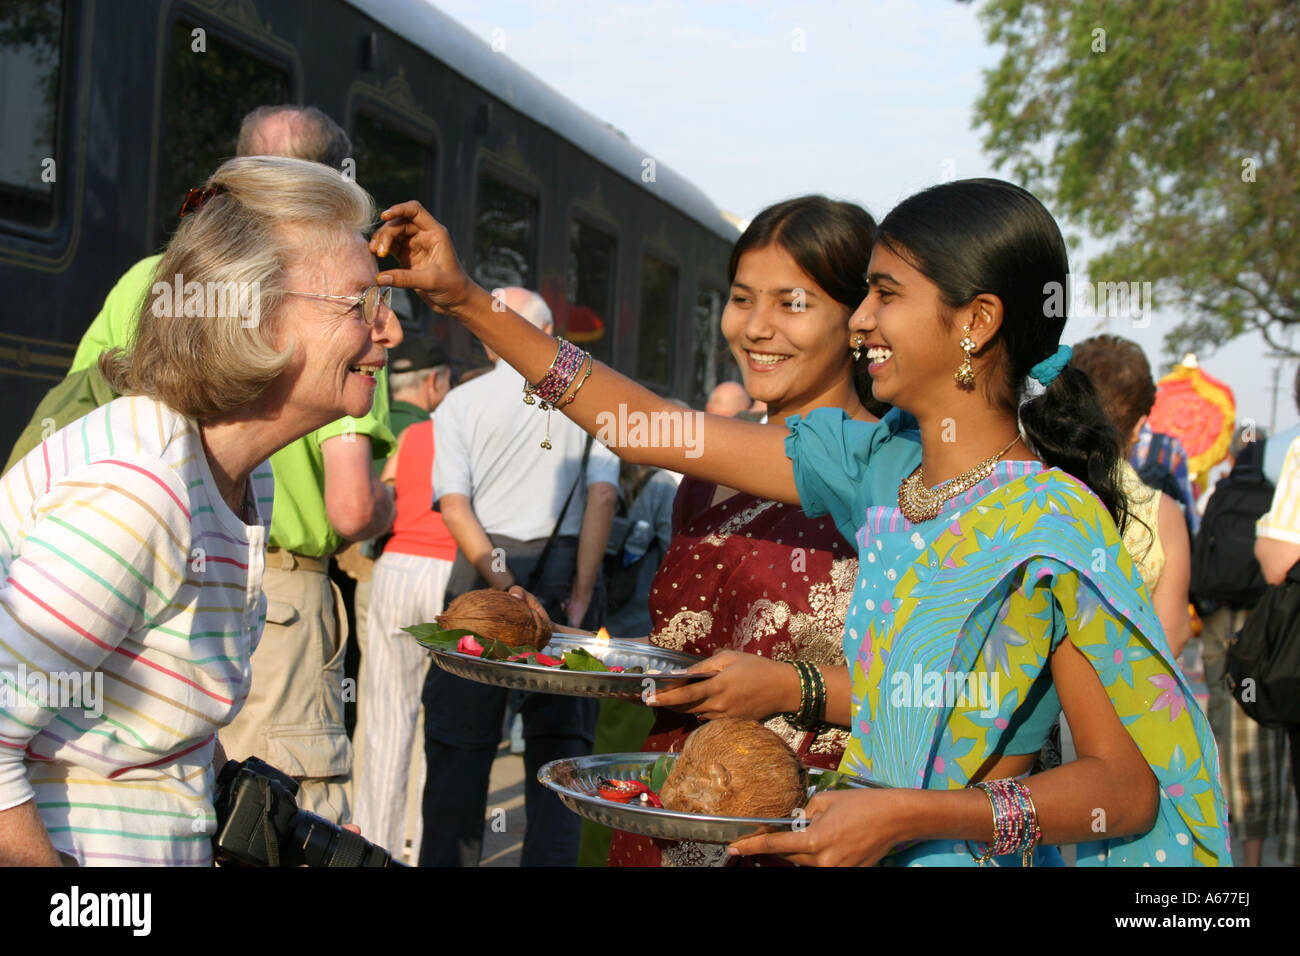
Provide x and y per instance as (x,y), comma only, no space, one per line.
(1197,409)
(583,325)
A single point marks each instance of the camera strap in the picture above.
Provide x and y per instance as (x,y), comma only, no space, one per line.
(268,831)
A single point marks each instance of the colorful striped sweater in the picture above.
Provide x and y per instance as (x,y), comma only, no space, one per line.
(130,606)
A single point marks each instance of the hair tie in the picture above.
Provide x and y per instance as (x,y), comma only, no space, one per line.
(197,198)
(1045,372)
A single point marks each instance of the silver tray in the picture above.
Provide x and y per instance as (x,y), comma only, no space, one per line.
(617,652)
(575,780)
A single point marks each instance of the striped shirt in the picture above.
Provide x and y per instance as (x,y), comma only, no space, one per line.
(1282,521)
(130,606)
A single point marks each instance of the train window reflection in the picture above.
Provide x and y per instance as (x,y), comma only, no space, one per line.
(655,328)
(31,37)
(713,360)
(206,97)
(590,288)
(504,237)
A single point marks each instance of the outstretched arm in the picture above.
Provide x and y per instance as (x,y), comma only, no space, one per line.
(633,421)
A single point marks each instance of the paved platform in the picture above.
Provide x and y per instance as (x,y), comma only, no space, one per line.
(503,829)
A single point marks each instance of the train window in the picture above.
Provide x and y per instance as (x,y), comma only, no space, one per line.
(392,166)
(713,360)
(655,326)
(505,236)
(31,41)
(208,94)
(590,281)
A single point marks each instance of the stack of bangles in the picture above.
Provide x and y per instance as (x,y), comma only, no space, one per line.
(812,696)
(564,371)
(1015,821)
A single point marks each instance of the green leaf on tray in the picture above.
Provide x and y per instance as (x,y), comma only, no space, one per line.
(431,635)
(579,659)
(830,780)
(659,771)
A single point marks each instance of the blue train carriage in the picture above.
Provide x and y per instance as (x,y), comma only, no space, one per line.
(113,110)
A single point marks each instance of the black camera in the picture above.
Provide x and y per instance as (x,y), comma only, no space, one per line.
(259,824)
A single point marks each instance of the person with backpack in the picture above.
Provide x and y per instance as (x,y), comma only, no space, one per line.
(1161,462)
(1227,582)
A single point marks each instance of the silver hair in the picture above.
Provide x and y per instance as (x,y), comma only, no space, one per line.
(528,304)
(401,381)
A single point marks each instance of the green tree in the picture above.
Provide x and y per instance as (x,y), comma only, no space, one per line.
(1169,129)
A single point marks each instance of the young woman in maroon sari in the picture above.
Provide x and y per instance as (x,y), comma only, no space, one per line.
(751,576)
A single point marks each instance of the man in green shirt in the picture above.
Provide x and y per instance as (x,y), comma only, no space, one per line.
(326,493)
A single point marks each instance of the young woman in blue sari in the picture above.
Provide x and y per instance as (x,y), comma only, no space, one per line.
(994,592)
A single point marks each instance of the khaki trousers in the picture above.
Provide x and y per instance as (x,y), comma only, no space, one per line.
(293,718)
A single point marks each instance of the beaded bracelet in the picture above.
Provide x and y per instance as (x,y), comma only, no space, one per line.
(528,389)
(1015,821)
(564,369)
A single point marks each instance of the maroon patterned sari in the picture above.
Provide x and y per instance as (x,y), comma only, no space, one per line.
(749,575)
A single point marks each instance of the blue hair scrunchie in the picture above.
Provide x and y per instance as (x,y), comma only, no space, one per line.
(1045,372)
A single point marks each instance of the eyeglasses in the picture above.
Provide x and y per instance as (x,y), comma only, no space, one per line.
(368,300)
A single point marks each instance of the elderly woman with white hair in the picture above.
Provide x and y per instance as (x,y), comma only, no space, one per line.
(132,541)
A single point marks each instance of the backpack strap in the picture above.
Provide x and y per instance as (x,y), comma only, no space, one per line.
(1250,463)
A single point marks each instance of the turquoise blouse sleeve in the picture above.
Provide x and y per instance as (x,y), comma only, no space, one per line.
(842,466)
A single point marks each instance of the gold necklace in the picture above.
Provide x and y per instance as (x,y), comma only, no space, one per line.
(919,503)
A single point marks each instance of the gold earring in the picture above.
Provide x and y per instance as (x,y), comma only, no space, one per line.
(965,374)
(857,348)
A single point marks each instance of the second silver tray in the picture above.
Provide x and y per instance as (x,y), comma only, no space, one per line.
(575,781)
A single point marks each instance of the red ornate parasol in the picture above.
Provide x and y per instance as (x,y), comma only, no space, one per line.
(1197,409)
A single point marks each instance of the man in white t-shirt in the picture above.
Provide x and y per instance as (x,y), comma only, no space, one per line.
(501,493)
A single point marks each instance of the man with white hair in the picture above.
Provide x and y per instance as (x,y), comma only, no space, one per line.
(512,505)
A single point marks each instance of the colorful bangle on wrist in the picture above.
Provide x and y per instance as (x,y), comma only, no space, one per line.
(568,362)
(529,389)
(564,369)
(1015,821)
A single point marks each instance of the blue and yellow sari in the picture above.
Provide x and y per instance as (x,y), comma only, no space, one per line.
(954,620)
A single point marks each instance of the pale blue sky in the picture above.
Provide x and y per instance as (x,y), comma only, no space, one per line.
(868,101)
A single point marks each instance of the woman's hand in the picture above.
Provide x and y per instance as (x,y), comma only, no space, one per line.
(744,685)
(844,828)
(428,258)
